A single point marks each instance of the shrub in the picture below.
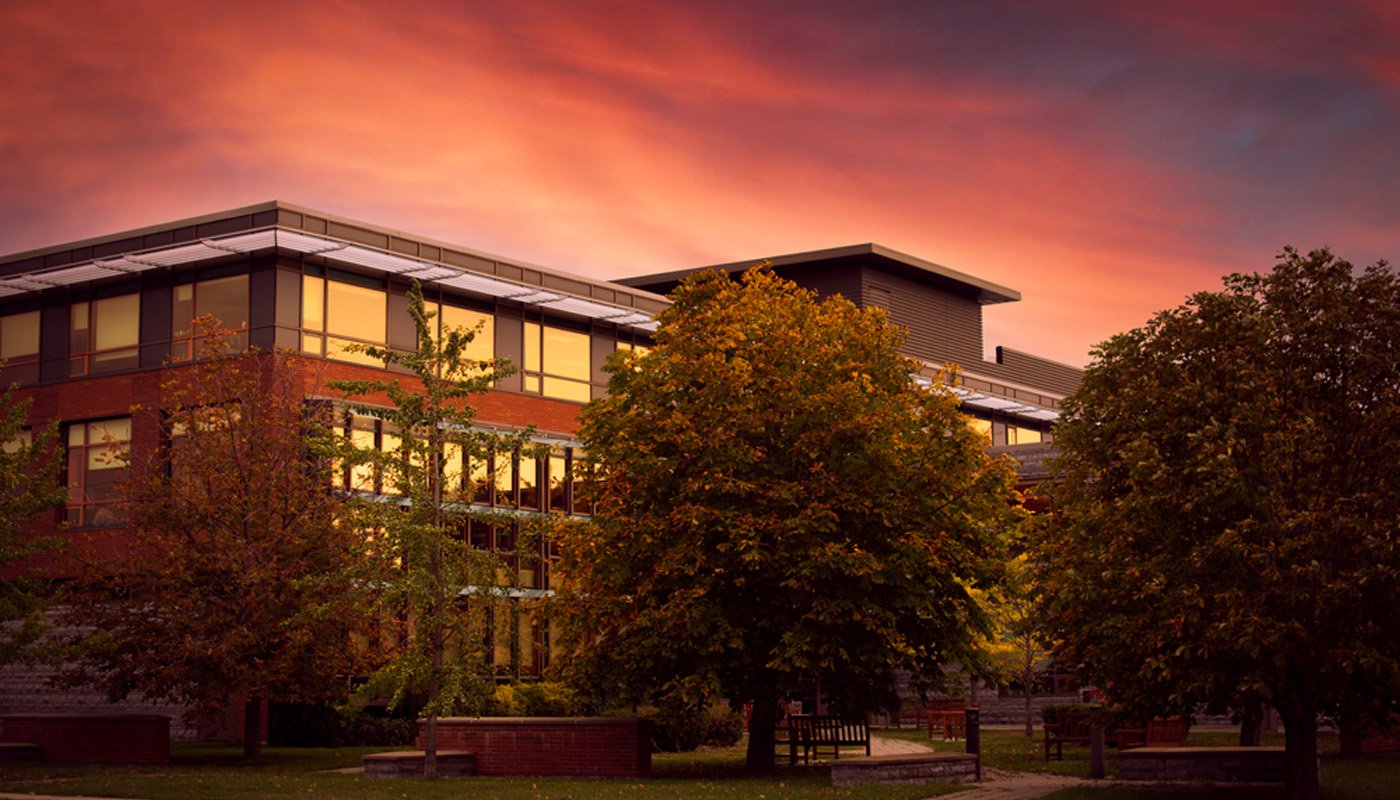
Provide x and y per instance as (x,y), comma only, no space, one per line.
(1051,712)
(543,699)
(681,730)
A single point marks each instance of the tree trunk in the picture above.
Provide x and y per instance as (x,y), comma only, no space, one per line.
(1299,715)
(1251,720)
(252,728)
(1026,686)
(761,757)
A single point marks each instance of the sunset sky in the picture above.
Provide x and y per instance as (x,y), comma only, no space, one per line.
(1104,158)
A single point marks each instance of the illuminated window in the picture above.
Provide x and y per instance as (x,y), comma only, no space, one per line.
(982,426)
(335,314)
(224,299)
(1015,435)
(103,335)
(557,363)
(96,459)
(18,442)
(19,348)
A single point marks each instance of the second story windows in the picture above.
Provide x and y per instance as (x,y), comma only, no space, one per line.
(19,348)
(556,363)
(103,335)
(225,299)
(336,313)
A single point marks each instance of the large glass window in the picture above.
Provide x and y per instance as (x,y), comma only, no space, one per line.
(19,348)
(556,363)
(335,314)
(96,458)
(224,299)
(483,345)
(982,426)
(1015,435)
(103,335)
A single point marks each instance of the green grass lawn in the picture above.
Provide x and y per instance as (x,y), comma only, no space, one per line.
(207,772)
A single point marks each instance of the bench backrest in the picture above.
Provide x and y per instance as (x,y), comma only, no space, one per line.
(832,729)
(1073,724)
(1167,732)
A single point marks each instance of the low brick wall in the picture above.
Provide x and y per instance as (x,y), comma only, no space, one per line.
(593,747)
(92,738)
(1255,764)
(409,764)
(930,768)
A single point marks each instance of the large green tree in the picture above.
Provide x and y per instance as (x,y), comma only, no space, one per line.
(228,588)
(29,485)
(425,571)
(780,505)
(1225,517)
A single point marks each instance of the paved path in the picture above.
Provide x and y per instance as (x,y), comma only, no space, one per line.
(997,784)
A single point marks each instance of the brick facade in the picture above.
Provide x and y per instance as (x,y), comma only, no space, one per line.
(92,738)
(587,747)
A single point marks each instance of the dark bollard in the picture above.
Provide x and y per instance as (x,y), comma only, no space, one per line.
(974,737)
(1096,768)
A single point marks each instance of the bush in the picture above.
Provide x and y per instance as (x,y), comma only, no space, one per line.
(1051,712)
(309,725)
(544,699)
(683,730)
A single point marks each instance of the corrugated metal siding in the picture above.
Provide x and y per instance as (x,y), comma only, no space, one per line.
(827,280)
(1034,371)
(942,326)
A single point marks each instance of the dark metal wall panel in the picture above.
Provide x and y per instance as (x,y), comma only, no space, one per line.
(156,315)
(942,326)
(826,281)
(1038,372)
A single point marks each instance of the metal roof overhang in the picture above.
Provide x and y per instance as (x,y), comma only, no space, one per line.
(248,242)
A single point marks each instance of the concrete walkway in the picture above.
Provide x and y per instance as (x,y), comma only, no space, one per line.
(996,784)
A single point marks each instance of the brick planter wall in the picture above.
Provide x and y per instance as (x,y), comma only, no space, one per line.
(92,738)
(930,768)
(592,747)
(1202,764)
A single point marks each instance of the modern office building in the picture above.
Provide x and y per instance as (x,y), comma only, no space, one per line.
(90,328)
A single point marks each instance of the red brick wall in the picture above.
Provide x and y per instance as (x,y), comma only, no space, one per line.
(593,747)
(92,738)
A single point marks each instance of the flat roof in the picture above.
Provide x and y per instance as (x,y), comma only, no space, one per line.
(984,291)
(277,224)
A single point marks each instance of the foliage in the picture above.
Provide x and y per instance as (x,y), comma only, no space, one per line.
(228,585)
(1050,712)
(539,699)
(1019,648)
(30,464)
(681,729)
(428,575)
(314,725)
(779,503)
(1225,516)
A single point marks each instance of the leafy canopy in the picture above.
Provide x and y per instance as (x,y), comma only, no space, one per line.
(780,503)
(1229,485)
(228,586)
(425,571)
(29,486)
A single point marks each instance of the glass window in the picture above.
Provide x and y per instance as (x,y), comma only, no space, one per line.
(483,345)
(1015,435)
(19,348)
(346,314)
(96,457)
(529,483)
(556,363)
(224,299)
(103,335)
(558,480)
(982,426)
(17,443)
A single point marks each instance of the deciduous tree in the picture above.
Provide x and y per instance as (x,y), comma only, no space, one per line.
(29,485)
(1227,505)
(780,504)
(228,588)
(423,566)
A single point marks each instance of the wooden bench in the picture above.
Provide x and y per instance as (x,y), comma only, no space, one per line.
(812,732)
(1072,727)
(947,717)
(1158,733)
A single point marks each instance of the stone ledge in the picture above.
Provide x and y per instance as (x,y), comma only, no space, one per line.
(929,768)
(409,764)
(1232,764)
